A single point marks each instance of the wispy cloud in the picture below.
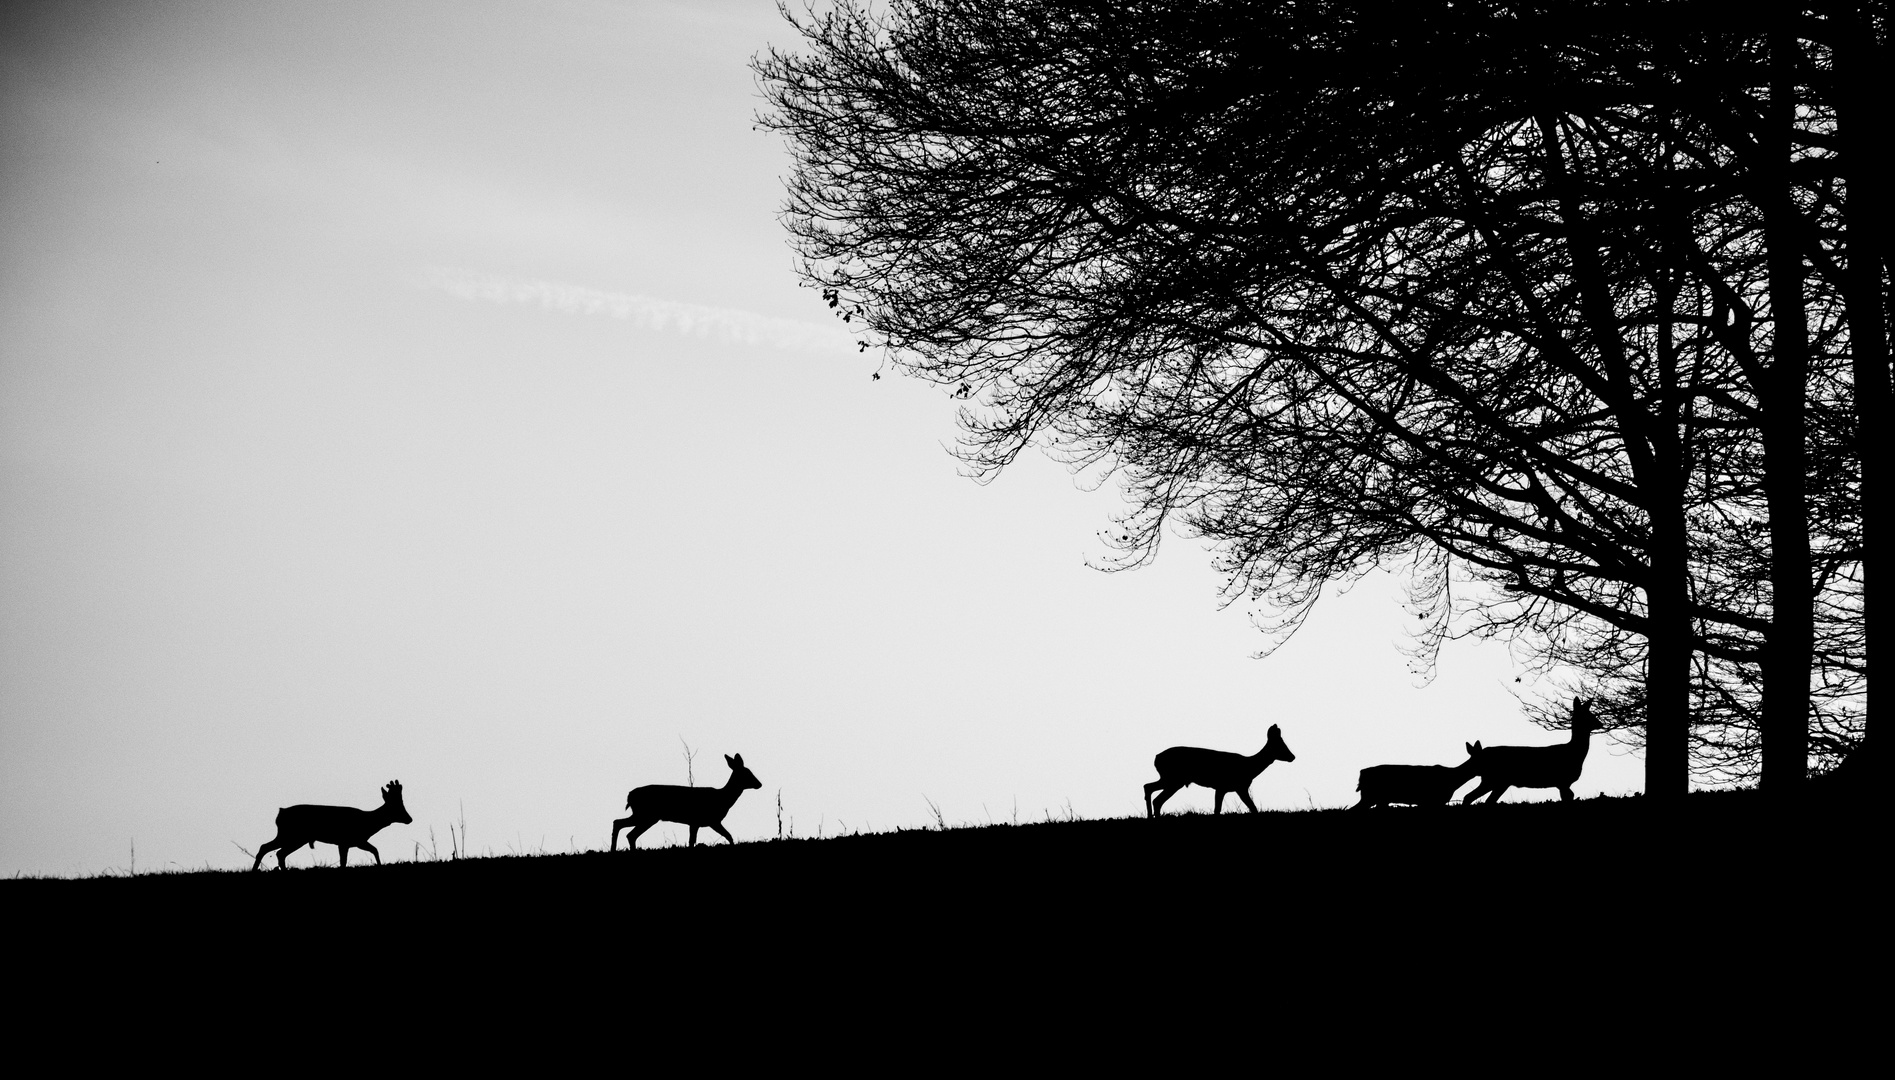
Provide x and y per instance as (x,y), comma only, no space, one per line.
(650,312)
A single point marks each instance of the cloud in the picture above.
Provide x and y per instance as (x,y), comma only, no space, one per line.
(649,312)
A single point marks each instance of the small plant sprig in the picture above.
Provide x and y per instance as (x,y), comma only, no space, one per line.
(458,848)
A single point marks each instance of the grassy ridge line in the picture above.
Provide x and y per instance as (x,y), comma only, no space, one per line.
(1715,833)
(1308,832)
(1088,906)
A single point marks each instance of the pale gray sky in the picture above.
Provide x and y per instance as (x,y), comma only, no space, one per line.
(422,391)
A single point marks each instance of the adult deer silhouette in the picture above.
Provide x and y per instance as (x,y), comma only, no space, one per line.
(343,826)
(1416,785)
(695,807)
(1219,770)
(1503,767)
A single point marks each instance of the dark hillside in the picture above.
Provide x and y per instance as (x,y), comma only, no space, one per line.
(1592,892)
(1514,861)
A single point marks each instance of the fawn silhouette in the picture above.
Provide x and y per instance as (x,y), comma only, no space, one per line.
(1417,785)
(1219,770)
(696,807)
(1503,767)
(343,826)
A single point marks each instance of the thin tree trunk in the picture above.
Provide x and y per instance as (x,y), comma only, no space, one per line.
(1651,445)
(1668,657)
(1863,128)
(1672,639)
(1787,657)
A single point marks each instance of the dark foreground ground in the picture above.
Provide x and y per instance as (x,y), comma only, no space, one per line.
(1482,905)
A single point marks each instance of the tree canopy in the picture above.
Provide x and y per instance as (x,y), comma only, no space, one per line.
(1555,306)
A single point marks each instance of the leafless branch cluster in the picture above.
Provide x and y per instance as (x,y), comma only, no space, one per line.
(1554,306)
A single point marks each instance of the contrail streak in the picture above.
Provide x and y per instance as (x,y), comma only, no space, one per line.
(650,312)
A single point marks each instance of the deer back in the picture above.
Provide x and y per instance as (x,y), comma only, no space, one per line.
(1540,766)
(1532,766)
(1416,784)
(1208,768)
(684,805)
(328,824)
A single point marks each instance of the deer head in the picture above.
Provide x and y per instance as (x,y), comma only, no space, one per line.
(743,778)
(1583,720)
(1275,748)
(391,797)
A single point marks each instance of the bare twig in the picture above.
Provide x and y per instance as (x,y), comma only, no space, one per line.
(690,755)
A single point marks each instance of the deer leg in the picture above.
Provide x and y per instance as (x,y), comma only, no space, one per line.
(1565,794)
(262,851)
(342,854)
(1217,804)
(631,838)
(1158,807)
(1245,796)
(725,833)
(370,848)
(622,823)
(1149,788)
(284,851)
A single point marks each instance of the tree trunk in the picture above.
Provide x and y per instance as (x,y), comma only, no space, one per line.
(1863,128)
(1668,658)
(1787,656)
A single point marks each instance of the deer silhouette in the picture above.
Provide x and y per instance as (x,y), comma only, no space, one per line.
(695,807)
(343,826)
(1219,770)
(1503,767)
(1417,785)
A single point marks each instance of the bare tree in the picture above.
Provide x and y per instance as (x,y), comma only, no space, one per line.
(1341,285)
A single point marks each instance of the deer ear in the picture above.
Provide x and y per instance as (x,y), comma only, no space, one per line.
(738,761)
(733,762)
(1275,729)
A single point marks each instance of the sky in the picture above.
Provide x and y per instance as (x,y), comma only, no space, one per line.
(424,391)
